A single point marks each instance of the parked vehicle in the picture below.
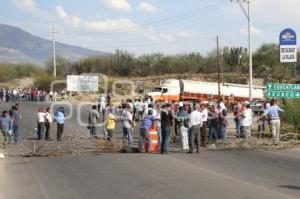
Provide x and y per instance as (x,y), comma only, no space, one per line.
(177,89)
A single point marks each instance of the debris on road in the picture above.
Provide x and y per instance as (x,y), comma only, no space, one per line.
(256,144)
(74,145)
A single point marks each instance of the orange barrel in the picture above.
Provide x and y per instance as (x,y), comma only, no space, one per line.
(154,141)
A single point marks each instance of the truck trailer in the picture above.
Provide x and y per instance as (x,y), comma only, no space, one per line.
(185,90)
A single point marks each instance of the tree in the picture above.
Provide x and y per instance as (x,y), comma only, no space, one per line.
(266,64)
(62,66)
(235,58)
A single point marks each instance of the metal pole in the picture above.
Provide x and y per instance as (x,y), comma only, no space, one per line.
(247,14)
(218,59)
(250,54)
(54,53)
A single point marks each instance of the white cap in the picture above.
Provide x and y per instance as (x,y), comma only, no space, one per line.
(180,104)
(246,102)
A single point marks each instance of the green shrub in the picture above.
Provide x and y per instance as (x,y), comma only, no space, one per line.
(43,81)
(292,114)
(9,72)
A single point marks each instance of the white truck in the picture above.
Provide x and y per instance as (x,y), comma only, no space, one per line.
(177,89)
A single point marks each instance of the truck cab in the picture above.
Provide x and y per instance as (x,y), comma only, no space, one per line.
(168,91)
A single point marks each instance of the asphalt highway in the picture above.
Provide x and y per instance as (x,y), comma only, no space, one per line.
(212,174)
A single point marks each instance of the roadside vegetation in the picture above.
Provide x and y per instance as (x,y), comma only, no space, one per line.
(9,72)
(292,115)
(266,65)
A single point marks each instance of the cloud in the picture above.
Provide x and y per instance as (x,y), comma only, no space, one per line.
(280,10)
(29,6)
(255,31)
(122,5)
(96,25)
(122,25)
(71,20)
(109,25)
(147,7)
(153,35)
(262,12)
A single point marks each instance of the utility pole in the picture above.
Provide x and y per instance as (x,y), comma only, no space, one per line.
(218,60)
(53,32)
(248,16)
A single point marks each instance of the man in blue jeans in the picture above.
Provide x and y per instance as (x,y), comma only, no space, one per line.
(166,124)
(127,120)
(16,116)
(237,118)
(5,125)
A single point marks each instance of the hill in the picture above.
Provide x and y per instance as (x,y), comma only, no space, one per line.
(19,46)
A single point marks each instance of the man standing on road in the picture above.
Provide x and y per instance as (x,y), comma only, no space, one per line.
(127,119)
(182,119)
(110,123)
(48,123)
(51,96)
(273,115)
(222,121)
(5,124)
(204,114)
(246,122)
(16,116)
(41,123)
(140,110)
(212,125)
(60,120)
(135,109)
(196,123)
(93,120)
(166,117)
(237,118)
(101,106)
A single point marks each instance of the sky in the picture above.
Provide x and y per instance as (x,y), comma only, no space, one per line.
(147,26)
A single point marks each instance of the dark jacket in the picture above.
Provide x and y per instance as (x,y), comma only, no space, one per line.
(166,118)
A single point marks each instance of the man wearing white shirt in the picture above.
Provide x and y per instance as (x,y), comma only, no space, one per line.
(204,133)
(246,121)
(154,112)
(101,106)
(196,123)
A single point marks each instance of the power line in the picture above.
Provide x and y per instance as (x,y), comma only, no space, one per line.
(170,20)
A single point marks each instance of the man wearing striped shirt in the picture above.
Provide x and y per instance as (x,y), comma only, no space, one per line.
(146,125)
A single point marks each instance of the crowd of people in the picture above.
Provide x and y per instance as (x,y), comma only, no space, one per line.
(198,124)
(45,121)
(31,94)
(10,125)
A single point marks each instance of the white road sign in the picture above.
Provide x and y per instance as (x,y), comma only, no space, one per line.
(288,53)
(288,46)
(82,83)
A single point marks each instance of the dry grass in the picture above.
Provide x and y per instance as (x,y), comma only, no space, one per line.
(18,83)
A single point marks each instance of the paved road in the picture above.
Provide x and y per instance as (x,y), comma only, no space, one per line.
(225,174)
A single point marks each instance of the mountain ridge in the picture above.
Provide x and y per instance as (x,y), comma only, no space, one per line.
(19,46)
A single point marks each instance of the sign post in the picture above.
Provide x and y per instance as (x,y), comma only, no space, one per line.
(288,46)
(283,90)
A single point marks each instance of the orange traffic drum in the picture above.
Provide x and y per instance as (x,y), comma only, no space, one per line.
(154,141)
